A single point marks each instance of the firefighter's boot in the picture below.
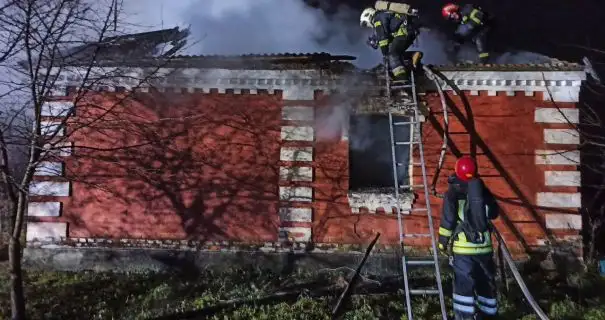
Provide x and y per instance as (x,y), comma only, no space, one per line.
(484,58)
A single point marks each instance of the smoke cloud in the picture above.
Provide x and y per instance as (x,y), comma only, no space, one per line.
(277,26)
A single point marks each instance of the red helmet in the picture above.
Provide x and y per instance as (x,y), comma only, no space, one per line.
(465,168)
(448,9)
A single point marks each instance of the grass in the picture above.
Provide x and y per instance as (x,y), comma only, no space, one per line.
(87,295)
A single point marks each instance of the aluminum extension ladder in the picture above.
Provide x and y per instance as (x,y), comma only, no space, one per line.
(392,88)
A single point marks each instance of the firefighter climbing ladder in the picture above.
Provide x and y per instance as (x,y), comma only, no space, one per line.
(393,88)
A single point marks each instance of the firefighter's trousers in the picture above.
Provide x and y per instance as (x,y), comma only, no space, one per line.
(474,286)
(397,56)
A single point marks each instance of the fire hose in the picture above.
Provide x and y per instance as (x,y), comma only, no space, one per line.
(507,257)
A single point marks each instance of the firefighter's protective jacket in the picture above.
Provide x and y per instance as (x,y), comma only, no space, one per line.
(473,18)
(388,25)
(453,214)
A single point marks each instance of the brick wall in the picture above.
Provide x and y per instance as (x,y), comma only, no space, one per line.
(251,166)
(526,155)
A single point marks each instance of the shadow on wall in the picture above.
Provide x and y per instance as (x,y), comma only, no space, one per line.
(176,166)
(522,219)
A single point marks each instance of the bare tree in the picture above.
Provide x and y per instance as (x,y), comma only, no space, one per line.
(42,41)
(590,130)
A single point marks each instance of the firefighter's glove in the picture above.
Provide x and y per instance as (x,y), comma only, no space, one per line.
(372,42)
(443,244)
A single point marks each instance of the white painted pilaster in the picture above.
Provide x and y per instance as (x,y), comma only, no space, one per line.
(50,188)
(559,200)
(561,136)
(296,154)
(296,173)
(48,168)
(562,178)
(558,157)
(45,231)
(563,221)
(557,115)
(294,133)
(44,209)
(302,194)
(298,113)
(295,214)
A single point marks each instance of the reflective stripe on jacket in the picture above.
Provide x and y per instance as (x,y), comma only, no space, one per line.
(462,246)
(453,213)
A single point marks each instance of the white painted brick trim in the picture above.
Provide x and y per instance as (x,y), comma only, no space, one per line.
(298,113)
(296,173)
(294,133)
(48,168)
(561,136)
(48,128)
(558,157)
(563,86)
(557,115)
(563,221)
(45,231)
(559,199)
(60,149)
(56,108)
(302,194)
(301,84)
(50,188)
(562,178)
(296,214)
(295,234)
(44,209)
(296,154)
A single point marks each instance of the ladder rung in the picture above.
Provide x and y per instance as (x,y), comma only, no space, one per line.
(405,86)
(411,186)
(424,291)
(405,123)
(406,143)
(417,235)
(420,262)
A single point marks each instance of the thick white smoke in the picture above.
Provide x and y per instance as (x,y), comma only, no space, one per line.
(234,27)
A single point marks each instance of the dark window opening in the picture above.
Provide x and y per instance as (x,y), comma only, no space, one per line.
(370,159)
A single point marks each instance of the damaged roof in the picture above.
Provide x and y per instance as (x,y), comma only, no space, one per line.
(148,49)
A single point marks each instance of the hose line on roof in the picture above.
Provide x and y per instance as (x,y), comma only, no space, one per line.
(431,75)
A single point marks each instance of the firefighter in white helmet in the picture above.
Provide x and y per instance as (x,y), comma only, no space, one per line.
(394,33)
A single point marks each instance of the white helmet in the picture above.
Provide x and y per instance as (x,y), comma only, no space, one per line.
(366,17)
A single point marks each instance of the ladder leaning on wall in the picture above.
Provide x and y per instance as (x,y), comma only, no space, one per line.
(409,104)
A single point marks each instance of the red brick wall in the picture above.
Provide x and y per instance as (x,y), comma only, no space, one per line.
(207,167)
(505,144)
(182,166)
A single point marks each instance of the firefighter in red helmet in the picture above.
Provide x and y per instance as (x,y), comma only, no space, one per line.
(473,24)
(467,208)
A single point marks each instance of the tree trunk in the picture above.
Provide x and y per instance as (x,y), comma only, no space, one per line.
(16,279)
